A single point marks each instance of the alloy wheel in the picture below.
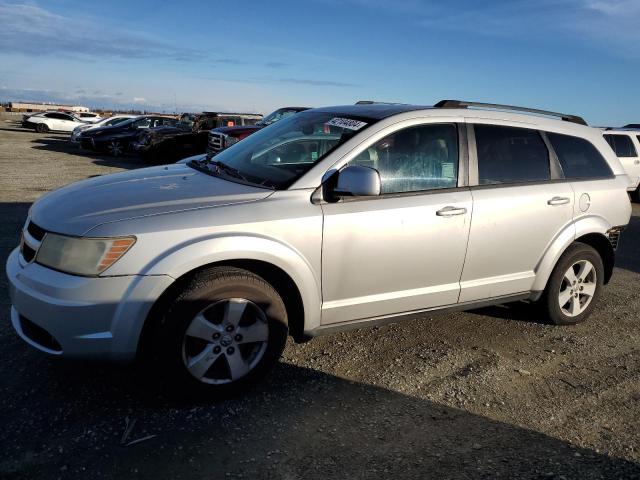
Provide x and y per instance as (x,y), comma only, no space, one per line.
(115,148)
(577,288)
(225,341)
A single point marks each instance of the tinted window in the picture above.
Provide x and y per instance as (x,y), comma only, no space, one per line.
(510,155)
(414,159)
(622,145)
(578,157)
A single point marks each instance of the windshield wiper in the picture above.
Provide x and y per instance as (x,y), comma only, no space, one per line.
(229,170)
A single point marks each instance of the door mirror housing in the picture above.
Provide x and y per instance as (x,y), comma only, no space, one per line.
(357,181)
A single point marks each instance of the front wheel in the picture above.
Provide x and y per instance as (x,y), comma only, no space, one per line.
(115,148)
(223,333)
(635,195)
(42,128)
(574,286)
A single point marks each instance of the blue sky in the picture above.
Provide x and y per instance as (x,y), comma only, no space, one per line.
(575,56)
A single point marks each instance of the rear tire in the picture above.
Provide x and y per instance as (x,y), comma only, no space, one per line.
(574,286)
(221,335)
(42,128)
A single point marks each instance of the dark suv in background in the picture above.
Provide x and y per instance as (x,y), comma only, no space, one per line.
(223,137)
(188,136)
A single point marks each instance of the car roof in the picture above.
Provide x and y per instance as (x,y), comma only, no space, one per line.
(528,118)
(374,111)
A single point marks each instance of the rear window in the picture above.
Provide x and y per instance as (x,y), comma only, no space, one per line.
(510,155)
(622,145)
(578,157)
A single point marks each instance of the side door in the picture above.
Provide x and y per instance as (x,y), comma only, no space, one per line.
(67,123)
(520,204)
(54,121)
(402,251)
(626,150)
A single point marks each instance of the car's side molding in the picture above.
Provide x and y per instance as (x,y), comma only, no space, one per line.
(229,248)
(582,226)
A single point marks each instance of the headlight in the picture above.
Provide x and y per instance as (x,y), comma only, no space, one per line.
(82,256)
(231,140)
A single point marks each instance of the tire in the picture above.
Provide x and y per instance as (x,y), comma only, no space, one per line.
(199,338)
(635,195)
(588,275)
(115,148)
(42,128)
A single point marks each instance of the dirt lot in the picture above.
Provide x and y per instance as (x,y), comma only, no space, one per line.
(485,394)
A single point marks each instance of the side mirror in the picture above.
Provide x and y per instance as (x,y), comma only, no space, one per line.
(357,181)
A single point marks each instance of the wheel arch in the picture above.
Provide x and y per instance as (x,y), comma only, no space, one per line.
(290,276)
(590,230)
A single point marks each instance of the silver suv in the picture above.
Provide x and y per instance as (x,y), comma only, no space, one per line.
(332,219)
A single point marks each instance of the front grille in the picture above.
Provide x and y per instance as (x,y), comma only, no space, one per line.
(28,253)
(613,235)
(35,231)
(39,335)
(216,142)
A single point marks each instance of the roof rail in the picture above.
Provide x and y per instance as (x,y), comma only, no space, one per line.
(496,106)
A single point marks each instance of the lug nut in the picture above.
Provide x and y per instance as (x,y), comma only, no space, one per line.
(238,338)
(216,349)
(216,336)
(230,350)
(229,328)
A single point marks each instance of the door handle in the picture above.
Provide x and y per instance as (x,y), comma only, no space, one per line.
(558,201)
(451,211)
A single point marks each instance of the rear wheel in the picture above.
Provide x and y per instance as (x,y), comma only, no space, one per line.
(42,128)
(574,286)
(223,333)
(115,148)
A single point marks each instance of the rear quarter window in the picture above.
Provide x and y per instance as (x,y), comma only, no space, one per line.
(579,158)
(622,145)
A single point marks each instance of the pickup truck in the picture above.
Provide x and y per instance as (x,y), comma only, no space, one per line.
(223,137)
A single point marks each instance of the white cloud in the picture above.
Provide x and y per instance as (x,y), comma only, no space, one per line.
(139,100)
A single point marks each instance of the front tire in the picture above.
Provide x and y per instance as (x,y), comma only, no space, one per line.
(574,286)
(635,195)
(222,334)
(115,148)
(42,128)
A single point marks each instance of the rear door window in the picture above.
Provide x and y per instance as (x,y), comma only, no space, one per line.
(579,158)
(510,155)
(622,145)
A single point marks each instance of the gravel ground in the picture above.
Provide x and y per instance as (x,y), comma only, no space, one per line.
(493,393)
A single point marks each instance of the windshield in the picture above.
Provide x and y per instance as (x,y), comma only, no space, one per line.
(278,155)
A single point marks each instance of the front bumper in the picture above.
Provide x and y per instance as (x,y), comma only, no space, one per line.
(83,317)
(87,142)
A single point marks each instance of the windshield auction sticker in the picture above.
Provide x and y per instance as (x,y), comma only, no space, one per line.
(346,123)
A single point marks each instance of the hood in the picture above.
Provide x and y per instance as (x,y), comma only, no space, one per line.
(81,206)
(238,130)
(108,129)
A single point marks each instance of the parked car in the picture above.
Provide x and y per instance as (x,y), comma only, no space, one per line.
(89,116)
(625,142)
(52,121)
(188,137)
(332,219)
(105,122)
(117,139)
(223,137)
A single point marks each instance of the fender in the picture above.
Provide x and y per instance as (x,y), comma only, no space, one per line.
(581,226)
(188,257)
